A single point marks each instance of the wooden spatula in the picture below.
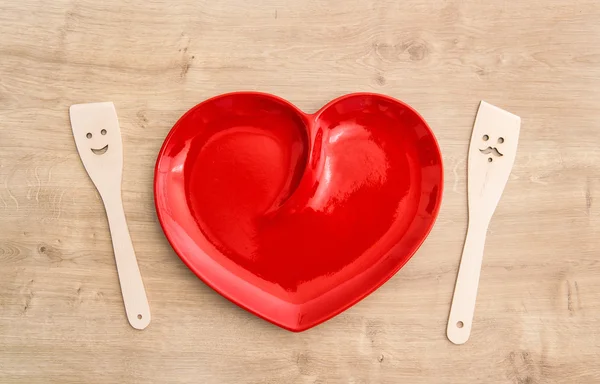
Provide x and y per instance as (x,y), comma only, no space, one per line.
(491,157)
(98,139)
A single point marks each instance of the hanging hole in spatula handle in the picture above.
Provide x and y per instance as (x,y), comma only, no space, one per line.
(138,313)
(459,329)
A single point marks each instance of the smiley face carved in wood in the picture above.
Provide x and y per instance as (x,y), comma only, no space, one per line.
(98,151)
(492,150)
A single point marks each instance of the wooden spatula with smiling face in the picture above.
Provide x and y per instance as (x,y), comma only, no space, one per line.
(98,139)
(492,154)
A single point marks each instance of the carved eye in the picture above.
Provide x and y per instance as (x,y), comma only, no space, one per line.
(89,135)
(103,131)
(486,137)
(500,140)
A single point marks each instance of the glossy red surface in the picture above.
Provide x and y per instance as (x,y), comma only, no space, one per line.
(296,216)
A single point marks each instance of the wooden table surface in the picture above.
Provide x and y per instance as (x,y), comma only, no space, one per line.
(61,313)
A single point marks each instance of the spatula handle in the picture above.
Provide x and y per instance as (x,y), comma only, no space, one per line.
(467,282)
(132,286)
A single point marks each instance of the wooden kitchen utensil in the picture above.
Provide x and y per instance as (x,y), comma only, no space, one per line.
(98,140)
(491,156)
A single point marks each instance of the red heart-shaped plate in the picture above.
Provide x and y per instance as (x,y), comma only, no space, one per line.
(293,216)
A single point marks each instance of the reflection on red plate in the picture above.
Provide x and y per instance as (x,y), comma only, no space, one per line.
(293,216)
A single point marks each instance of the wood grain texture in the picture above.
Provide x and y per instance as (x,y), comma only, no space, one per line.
(61,313)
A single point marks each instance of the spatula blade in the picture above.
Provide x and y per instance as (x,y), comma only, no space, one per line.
(98,139)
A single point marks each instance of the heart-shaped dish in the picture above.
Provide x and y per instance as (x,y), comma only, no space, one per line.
(293,216)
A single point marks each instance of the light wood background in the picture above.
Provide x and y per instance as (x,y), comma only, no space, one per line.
(61,313)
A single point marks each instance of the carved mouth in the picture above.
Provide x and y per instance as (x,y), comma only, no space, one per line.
(100,151)
(489,150)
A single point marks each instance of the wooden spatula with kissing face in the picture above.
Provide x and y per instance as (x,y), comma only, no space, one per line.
(98,139)
(491,157)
